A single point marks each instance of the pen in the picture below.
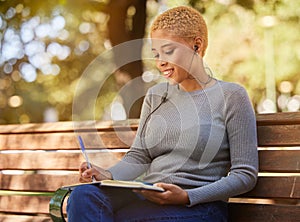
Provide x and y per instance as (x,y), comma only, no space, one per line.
(82,147)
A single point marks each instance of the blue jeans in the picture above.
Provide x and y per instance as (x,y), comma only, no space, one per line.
(92,203)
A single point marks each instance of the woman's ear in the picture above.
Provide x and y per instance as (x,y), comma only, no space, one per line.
(198,43)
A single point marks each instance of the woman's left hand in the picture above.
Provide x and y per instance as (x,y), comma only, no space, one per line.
(173,194)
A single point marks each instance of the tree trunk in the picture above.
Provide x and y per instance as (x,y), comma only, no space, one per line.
(123,29)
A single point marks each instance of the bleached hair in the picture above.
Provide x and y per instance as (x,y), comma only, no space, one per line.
(184,22)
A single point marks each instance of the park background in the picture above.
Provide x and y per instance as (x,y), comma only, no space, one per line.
(46,46)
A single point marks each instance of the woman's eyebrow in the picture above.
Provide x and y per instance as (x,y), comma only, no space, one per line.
(167,45)
(164,46)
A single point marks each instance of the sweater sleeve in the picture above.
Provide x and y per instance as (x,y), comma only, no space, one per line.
(241,132)
(136,161)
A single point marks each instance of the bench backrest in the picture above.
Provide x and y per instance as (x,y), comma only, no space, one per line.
(276,197)
(36,159)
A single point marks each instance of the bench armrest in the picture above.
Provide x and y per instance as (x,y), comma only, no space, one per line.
(56,204)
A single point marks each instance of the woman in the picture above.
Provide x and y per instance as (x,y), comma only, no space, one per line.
(196,139)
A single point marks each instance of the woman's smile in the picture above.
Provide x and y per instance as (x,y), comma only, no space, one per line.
(167,73)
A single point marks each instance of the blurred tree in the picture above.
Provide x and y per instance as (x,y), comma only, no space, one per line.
(40,69)
(127,22)
(237,48)
(88,25)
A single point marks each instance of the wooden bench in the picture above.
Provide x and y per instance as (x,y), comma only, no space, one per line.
(37,159)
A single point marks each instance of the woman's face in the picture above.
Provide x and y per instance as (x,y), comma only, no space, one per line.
(173,56)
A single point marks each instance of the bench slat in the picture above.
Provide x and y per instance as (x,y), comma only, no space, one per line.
(276,161)
(267,187)
(263,212)
(278,135)
(24,218)
(279,161)
(276,187)
(267,137)
(284,118)
(287,118)
(65,141)
(68,126)
(54,160)
(29,204)
(36,182)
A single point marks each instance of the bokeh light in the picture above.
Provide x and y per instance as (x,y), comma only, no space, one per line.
(31,41)
(15,101)
(28,72)
(294,104)
(285,87)
(117,111)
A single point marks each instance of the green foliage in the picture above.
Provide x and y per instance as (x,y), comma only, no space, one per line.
(242,46)
(50,90)
(237,51)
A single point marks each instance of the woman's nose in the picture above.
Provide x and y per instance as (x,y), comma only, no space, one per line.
(161,63)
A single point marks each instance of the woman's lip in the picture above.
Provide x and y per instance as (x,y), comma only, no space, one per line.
(167,73)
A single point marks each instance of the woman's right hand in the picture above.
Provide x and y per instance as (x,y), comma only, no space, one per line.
(86,174)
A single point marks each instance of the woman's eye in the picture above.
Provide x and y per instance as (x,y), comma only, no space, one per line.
(156,56)
(169,52)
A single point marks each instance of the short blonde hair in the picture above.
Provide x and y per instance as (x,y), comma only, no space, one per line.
(184,22)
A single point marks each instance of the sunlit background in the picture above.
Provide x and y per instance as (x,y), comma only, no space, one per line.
(46,45)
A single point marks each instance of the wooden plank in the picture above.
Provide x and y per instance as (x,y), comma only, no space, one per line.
(267,187)
(281,161)
(40,161)
(278,135)
(285,118)
(270,160)
(69,126)
(263,212)
(61,135)
(66,140)
(276,187)
(36,182)
(25,204)
(24,218)
(55,160)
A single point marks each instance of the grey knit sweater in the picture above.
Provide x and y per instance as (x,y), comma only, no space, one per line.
(204,141)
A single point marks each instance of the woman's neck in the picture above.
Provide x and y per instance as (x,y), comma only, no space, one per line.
(193,83)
